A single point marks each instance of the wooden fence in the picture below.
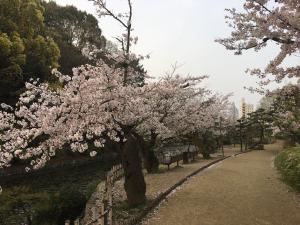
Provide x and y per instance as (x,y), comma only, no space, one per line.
(101,213)
(99,207)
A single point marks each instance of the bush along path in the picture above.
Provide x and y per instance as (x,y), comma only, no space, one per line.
(243,190)
(288,163)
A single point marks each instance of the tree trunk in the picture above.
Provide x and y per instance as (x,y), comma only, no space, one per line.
(201,147)
(203,151)
(135,185)
(185,157)
(151,162)
(262,135)
(205,154)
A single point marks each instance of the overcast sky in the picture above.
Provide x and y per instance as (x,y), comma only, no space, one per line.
(184,31)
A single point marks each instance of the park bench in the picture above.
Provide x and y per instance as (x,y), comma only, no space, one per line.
(169,158)
(185,153)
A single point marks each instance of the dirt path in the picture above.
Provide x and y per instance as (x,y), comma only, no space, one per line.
(160,182)
(244,190)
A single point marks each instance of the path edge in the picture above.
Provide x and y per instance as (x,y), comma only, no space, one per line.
(162,196)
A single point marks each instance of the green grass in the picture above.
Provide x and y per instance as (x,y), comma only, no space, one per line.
(288,163)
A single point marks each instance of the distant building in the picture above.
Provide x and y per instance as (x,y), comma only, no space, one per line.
(234,113)
(245,109)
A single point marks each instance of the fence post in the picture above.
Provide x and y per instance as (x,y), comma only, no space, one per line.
(103,213)
(94,213)
(76,222)
(110,202)
(101,220)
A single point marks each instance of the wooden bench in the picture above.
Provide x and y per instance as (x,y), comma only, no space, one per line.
(168,159)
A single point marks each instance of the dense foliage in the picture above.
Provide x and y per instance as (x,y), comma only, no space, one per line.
(77,34)
(30,206)
(286,112)
(288,163)
(25,50)
(37,36)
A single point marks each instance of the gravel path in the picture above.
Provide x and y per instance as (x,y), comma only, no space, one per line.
(244,190)
(160,182)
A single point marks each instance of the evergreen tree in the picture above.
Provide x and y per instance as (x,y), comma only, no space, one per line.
(26,52)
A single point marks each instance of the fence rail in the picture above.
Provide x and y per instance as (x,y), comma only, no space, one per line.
(99,209)
(101,212)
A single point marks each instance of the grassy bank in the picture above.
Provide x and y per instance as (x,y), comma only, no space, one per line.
(288,163)
(49,197)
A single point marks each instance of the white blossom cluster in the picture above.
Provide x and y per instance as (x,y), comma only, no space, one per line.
(94,105)
(286,109)
(265,21)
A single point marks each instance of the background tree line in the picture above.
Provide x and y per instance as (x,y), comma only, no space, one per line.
(37,36)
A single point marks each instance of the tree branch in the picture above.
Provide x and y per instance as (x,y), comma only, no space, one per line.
(110,13)
(279,17)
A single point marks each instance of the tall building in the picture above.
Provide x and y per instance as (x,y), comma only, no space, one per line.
(233,113)
(245,109)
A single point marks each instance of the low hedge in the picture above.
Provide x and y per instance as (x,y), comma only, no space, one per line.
(288,163)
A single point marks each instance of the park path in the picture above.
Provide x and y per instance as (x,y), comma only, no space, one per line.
(243,190)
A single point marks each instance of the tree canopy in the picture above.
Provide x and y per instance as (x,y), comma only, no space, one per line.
(262,22)
(77,34)
(26,52)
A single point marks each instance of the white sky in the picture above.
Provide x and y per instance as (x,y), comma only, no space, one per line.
(184,31)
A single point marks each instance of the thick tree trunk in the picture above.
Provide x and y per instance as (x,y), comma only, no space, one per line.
(262,135)
(203,151)
(201,147)
(151,162)
(186,156)
(205,154)
(135,185)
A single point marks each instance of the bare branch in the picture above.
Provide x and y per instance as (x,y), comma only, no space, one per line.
(121,40)
(109,12)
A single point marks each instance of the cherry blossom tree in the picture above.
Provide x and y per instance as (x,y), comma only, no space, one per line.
(262,22)
(199,122)
(169,97)
(93,106)
(285,111)
(100,103)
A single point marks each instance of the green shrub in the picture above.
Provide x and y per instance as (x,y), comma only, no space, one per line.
(71,202)
(288,163)
(91,188)
(22,205)
(68,203)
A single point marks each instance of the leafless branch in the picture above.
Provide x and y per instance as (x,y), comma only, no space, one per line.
(102,3)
